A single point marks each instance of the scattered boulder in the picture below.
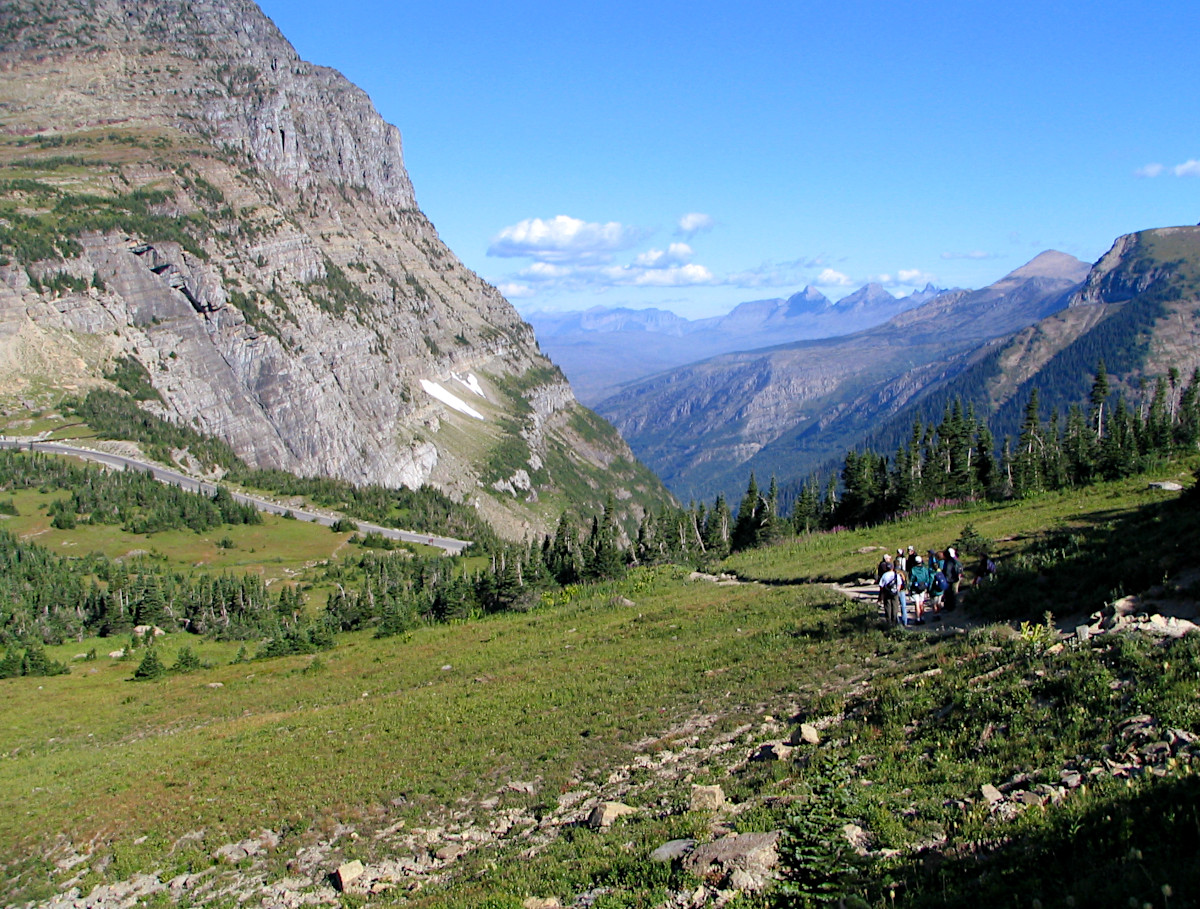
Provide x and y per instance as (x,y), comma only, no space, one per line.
(754,854)
(537,902)
(993,795)
(805,734)
(707,798)
(772,751)
(347,874)
(450,852)
(675,849)
(1165,486)
(857,838)
(721,580)
(605,813)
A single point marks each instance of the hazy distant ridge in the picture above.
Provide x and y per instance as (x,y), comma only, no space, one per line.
(602,349)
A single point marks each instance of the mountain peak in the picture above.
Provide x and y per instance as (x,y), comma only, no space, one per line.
(806,301)
(868,295)
(1052,264)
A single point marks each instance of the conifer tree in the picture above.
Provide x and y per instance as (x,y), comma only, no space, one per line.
(151,666)
(770,527)
(745,527)
(718,529)
(1028,459)
(807,514)
(1098,397)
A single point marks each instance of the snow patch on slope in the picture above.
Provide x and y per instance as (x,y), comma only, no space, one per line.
(450,399)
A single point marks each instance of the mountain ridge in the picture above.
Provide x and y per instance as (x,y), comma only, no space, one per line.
(704,426)
(602,350)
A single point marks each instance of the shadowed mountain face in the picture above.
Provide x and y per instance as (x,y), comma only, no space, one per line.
(603,349)
(180,188)
(790,408)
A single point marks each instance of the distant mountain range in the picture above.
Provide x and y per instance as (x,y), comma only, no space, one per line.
(602,349)
(792,407)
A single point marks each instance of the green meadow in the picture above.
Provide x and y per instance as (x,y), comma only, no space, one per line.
(610,681)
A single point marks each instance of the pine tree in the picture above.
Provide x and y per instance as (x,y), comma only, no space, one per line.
(1098,397)
(151,666)
(564,561)
(718,529)
(1187,426)
(770,526)
(807,514)
(745,527)
(1028,459)
(603,557)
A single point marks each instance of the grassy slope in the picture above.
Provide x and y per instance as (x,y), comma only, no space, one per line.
(564,696)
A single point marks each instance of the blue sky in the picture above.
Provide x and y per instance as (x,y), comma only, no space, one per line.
(695,155)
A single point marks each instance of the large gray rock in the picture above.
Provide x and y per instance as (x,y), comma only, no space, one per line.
(755,855)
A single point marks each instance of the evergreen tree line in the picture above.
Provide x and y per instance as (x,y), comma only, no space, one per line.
(957,458)
(50,598)
(954,459)
(396,592)
(135,500)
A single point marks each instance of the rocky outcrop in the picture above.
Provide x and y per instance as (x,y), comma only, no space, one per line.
(242,225)
(1129,268)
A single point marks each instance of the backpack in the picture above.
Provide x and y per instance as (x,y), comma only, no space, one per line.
(892,585)
(919,586)
(940,584)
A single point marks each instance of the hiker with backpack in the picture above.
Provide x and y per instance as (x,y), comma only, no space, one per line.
(920,582)
(890,584)
(954,571)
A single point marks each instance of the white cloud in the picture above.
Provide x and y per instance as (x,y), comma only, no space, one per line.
(693,223)
(545,271)
(675,276)
(830,278)
(675,254)
(514,291)
(564,239)
(1189,168)
(905,277)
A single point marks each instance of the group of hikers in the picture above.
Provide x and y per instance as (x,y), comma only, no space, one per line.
(910,585)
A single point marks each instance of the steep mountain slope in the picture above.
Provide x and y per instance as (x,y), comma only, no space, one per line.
(1138,310)
(603,349)
(787,409)
(179,187)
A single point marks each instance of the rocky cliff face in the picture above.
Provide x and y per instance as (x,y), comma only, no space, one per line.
(180,187)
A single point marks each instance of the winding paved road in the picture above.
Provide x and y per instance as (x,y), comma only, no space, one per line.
(191,484)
